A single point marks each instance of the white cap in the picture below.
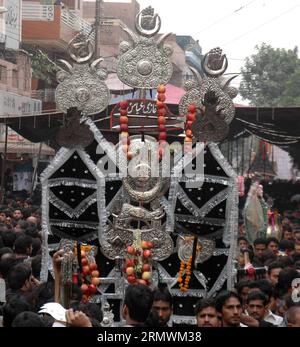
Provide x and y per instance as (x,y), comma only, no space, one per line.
(55,310)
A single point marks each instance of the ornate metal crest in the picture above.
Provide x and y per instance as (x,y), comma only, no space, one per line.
(213,98)
(145,63)
(204,250)
(130,220)
(81,85)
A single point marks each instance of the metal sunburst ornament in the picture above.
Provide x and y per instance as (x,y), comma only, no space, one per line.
(145,63)
(82,85)
(213,96)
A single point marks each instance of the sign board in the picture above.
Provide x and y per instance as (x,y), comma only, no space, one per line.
(142,116)
(13,23)
(17,105)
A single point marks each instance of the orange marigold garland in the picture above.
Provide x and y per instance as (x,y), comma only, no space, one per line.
(188,127)
(184,283)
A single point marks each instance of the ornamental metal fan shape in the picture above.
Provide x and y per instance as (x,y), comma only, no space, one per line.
(213,98)
(82,85)
(145,63)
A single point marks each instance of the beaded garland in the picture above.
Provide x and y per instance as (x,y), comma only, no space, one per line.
(184,284)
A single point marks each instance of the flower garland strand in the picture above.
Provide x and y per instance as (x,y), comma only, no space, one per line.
(184,284)
(90,275)
(124,128)
(138,265)
(161,120)
(188,127)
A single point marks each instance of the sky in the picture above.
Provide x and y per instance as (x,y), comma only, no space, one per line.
(236,26)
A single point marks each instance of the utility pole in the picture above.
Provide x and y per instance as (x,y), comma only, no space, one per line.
(97,26)
(4,165)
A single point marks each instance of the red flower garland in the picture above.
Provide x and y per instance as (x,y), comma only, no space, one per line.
(188,125)
(124,128)
(161,120)
(89,278)
(138,264)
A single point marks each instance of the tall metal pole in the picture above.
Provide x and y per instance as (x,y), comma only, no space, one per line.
(35,168)
(97,26)
(4,164)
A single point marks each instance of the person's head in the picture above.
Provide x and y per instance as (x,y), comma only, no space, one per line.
(36,266)
(243,290)
(293,317)
(243,242)
(287,247)
(5,250)
(8,222)
(20,226)
(229,305)
(285,280)
(257,305)
(2,216)
(259,247)
(32,220)
(36,212)
(28,203)
(17,214)
(241,256)
(43,294)
(285,221)
(263,286)
(36,247)
(8,238)
(206,313)
(268,257)
(19,278)
(23,245)
(297,246)
(260,190)
(273,272)
(163,305)
(32,231)
(92,310)
(137,303)
(285,261)
(287,233)
(273,244)
(7,263)
(297,235)
(12,308)
(28,320)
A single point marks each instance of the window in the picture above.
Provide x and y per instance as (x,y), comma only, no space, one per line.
(15,83)
(3,74)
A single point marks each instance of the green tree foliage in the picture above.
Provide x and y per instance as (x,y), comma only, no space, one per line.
(291,95)
(42,68)
(267,75)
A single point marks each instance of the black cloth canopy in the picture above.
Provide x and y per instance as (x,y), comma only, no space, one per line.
(279,126)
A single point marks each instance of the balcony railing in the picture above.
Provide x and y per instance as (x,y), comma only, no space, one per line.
(75,22)
(45,95)
(37,12)
(46,13)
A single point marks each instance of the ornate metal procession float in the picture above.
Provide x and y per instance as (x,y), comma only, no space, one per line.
(137,207)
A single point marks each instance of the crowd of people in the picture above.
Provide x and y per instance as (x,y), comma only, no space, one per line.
(265,292)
